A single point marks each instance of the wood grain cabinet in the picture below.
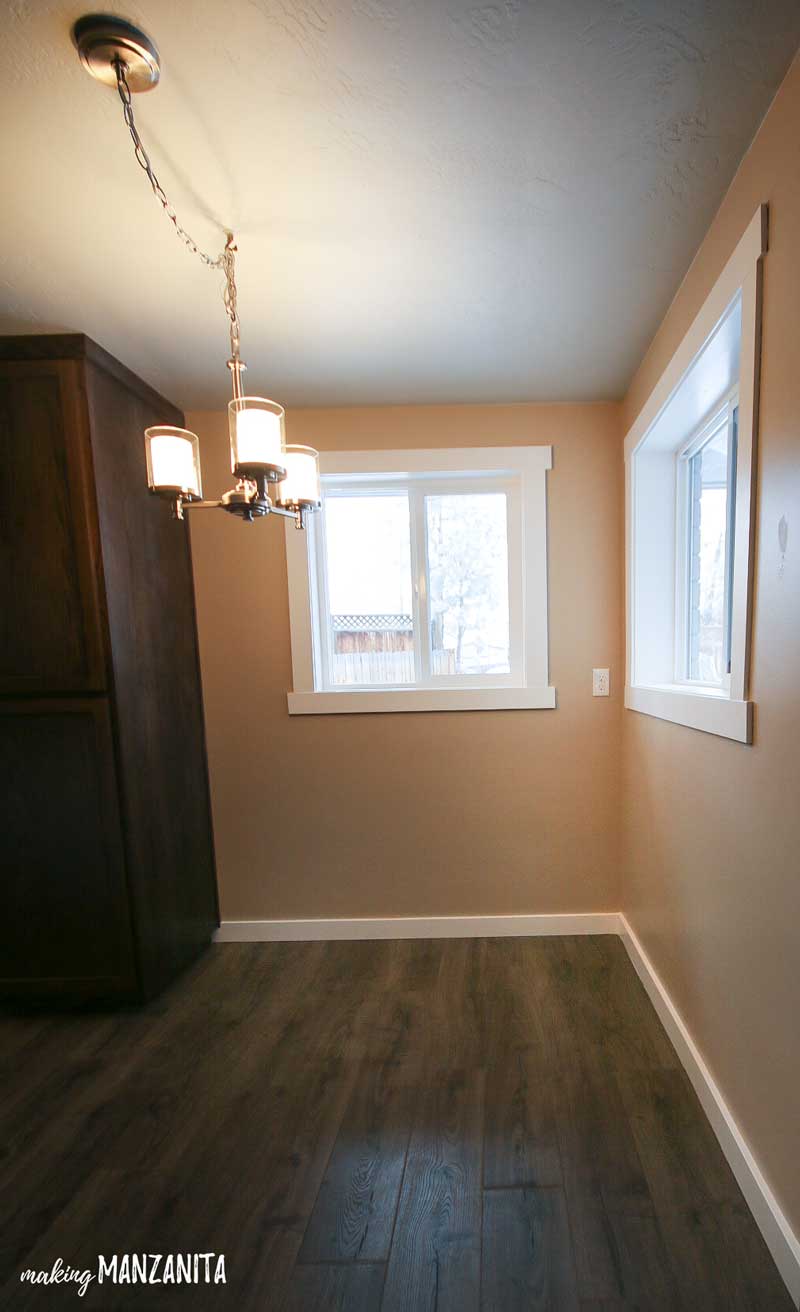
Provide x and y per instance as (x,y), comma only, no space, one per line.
(108,885)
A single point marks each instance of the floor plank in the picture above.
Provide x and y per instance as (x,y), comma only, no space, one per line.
(724,1263)
(527,1252)
(682,1159)
(435,1256)
(354,1288)
(353,1217)
(520,1135)
(644,1273)
(602,1172)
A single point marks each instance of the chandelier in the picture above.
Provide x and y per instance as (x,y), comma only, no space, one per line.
(122,56)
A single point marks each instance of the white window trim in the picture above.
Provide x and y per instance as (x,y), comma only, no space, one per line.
(719,711)
(532,691)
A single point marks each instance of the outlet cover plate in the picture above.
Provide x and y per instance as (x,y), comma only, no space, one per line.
(601,683)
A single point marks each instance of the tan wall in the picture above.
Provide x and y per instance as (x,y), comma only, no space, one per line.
(712,828)
(414,814)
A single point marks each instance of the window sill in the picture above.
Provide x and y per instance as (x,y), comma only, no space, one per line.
(710,711)
(348,702)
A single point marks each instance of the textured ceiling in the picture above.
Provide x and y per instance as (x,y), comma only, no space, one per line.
(434,200)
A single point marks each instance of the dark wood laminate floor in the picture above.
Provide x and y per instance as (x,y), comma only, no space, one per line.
(478,1125)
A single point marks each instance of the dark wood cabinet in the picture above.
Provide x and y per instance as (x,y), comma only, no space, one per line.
(50,612)
(108,884)
(66,916)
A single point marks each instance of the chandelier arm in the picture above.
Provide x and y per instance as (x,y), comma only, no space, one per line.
(143,160)
(199,505)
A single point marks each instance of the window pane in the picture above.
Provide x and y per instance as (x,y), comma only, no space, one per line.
(708,493)
(467,541)
(732,464)
(369,589)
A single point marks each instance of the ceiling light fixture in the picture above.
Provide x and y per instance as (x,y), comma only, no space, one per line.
(122,56)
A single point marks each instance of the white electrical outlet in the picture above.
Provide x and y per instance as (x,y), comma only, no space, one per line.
(601,683)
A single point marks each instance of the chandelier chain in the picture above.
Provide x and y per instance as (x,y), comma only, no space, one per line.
(143,159)
(226,260)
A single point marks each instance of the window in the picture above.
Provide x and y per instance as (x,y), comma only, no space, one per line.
(690,490)
(467,582)
(412,590)
(706,501)
(364,563)
(415,584)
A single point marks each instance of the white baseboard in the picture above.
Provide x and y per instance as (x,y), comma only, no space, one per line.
(293,931)
(781,1240)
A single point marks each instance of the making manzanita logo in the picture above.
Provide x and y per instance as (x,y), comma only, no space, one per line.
(136,1269)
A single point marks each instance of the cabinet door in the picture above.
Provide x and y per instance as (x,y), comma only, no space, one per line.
(158,700)
(64,916)
(51,626)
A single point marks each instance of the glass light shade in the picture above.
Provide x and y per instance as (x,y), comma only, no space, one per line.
(173,461)
(256,428)
(300,487)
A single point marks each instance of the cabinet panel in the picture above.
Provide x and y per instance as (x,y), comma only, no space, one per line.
(64,921)
(50,617)
(157,692)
